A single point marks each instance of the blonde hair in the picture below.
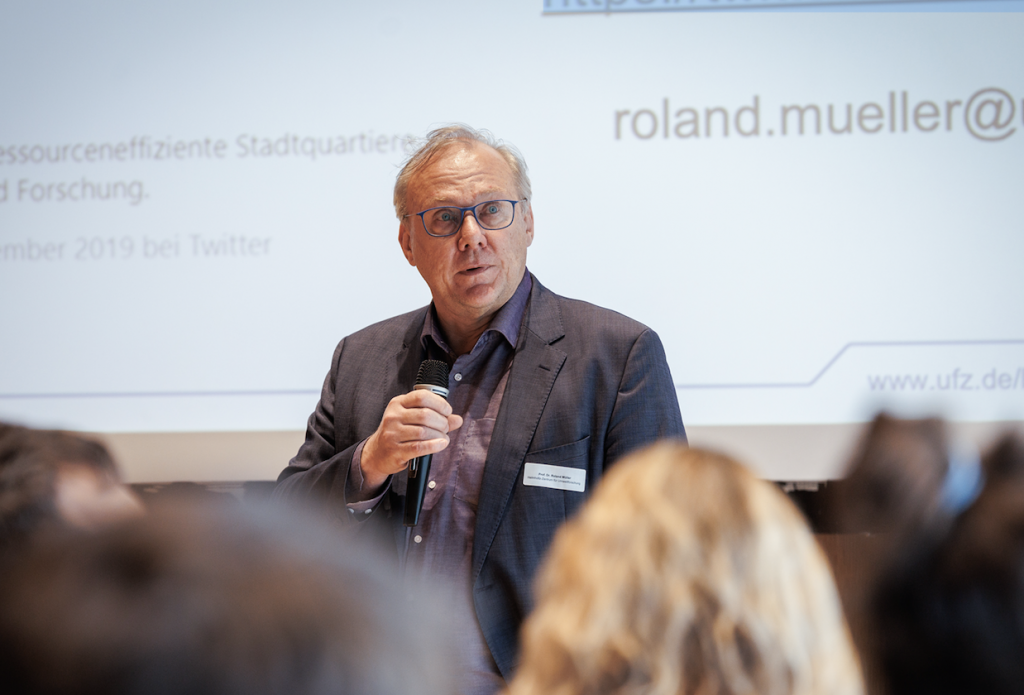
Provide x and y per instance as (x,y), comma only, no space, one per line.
(685,575)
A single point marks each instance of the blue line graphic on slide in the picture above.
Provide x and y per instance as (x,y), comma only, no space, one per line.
(884,381)
(956,380)
(607,6)
(163,394)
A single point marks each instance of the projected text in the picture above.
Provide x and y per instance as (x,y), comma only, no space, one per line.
(989,115)
(146,247)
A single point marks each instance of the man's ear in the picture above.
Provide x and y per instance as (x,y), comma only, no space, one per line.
(405,241)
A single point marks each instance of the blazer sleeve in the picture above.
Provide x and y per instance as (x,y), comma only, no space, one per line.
(320,468)
(646,406)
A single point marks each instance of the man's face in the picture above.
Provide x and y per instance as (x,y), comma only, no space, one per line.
(472,273)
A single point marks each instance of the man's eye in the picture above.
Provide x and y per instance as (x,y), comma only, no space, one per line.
(444,215)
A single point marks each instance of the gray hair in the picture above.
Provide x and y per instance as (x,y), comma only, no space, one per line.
(441,139)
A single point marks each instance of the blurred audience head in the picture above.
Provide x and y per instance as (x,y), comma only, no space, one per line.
(950,612)
(895,482)
(211,600)
(684,574)
(52,479)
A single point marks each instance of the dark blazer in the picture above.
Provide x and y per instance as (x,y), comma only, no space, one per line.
(587,386)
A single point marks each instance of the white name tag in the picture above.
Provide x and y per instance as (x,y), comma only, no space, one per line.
(556,477)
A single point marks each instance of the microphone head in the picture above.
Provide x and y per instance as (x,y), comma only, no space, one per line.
(433,373)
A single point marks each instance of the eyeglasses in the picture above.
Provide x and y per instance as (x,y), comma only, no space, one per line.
(490,215)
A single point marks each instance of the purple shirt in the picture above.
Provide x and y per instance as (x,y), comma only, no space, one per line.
(440,548)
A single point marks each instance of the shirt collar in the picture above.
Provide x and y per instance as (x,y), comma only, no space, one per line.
(506,321)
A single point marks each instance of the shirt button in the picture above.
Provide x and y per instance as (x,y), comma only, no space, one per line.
(458,377)
(418,539)
(368,511)
(432,484)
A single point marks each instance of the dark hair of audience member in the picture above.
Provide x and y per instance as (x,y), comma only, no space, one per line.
(50,478)
(951,613)
(893,483)
(891,495)
(212,600)
(686,575)
(16,441)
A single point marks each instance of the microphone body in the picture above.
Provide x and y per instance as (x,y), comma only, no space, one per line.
(433,376)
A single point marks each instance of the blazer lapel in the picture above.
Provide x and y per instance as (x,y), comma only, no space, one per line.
(534,368)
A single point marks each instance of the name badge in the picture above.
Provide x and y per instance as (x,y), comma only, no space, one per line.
(555,477)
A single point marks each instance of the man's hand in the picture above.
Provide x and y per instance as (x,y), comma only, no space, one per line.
(414,424)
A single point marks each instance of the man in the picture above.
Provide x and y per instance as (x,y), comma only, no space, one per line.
(545,392)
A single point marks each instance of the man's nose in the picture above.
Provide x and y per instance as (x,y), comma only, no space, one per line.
(471,234)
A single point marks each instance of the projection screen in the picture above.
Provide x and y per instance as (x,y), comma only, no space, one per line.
(819,212)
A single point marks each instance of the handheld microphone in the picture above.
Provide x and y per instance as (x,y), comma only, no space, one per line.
(433,376)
